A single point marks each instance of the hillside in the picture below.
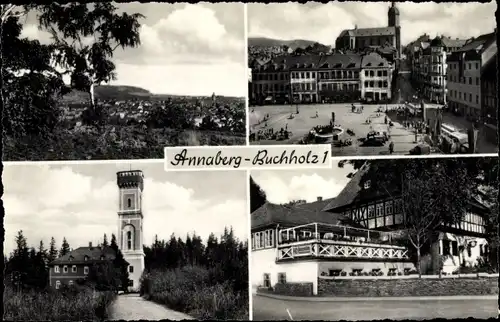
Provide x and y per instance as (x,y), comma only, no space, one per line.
(124,92)
(109,92)
(269,42)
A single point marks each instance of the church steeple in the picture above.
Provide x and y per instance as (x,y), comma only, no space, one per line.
(393,15)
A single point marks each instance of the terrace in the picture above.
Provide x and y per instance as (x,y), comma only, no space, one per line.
(318,240)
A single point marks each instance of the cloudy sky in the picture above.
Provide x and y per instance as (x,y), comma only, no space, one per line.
(186,49)
(324,22)
(282,186)
(80,202)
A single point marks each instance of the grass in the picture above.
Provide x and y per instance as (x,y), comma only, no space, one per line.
(191,290)
(56,305)
(119,142)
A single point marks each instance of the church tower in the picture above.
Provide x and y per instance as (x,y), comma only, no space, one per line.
(393,21)
(130,220)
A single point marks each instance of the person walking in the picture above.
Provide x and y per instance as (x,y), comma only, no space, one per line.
(391,147)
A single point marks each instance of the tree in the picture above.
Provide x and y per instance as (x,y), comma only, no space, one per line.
(65,249)
(52,250)
(257,196)
(433,192)
(105,240)
(86,38)
(30,83)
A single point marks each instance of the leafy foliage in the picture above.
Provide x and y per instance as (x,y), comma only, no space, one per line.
(207,281)
(257,195)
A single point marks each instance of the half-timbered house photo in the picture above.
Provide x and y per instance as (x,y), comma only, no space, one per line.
(384,228)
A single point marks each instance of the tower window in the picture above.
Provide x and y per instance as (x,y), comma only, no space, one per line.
(129,203)
(131,269)
(129,240)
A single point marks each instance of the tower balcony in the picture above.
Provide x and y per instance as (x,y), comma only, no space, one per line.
(332,242)
(130,179)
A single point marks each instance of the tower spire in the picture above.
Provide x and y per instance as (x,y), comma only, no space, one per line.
(393,4)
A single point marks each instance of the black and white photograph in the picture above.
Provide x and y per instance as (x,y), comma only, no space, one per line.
(100,81)
(376,239)
(124,241)
(374,78)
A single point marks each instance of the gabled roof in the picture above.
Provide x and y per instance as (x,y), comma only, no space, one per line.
(479,43)
(272,214)
(344,61)
(374,60)
(93,254)
(384,31)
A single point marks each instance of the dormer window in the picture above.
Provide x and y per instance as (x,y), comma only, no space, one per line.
(85,258)
(70,258)
(102,257)
(367,184)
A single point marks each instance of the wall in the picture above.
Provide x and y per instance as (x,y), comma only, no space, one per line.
(408,287)
(264,262)
(348,266)
(137,261)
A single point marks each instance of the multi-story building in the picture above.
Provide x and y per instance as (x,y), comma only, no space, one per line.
(489,99)
(304,79)
(361,38)
(76,265)
(464,75)
(361,230)
(338,78)
(271,81)
(428,60)
(376,78)
(322,78)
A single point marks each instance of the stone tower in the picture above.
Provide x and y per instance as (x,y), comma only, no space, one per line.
(393,21)
(130,220)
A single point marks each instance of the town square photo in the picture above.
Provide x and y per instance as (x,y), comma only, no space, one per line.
(94,81)
(374,78)
(124,241)
(376,239)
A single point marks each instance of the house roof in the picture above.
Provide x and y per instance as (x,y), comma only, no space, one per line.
(374,60)
(340,61)
(269,214)
(77,256)
(477,44)
(367,32)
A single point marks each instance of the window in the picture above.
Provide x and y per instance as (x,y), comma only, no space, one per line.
(371,211)
(129,203)
(367,184)
(470,80)
(470,97)
(70,283)
(56,269)
(267,280)
(129,240)
(282,278)
(65,269)
(131,269)
(477,99)
(58,284)
(86,270)
(73,269)
(131,283)
(477,65)
(477,81)
(85,258)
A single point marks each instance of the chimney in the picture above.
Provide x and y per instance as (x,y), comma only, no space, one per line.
(355,26)
(90,245)
(320,198)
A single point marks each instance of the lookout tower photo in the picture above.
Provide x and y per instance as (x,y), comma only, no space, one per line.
(124,241)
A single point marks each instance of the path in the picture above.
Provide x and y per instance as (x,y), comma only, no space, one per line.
(265,308)
(133,307)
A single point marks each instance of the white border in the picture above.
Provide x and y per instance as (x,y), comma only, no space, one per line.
(430,156)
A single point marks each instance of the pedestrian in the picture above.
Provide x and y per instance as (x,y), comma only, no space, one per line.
(385,120)
(286,126)
(391,147)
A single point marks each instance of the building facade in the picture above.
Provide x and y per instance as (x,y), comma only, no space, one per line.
(130,223)
(376,78)
(464,79)
(357,232)
(74,266)
(361,38)
(489,99)
(323,79)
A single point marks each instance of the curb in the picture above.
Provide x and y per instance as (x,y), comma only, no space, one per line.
(375,299)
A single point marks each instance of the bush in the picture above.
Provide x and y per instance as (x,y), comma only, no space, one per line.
(69,304)
(192,290)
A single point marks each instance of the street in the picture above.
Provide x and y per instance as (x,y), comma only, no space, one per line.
(265,308)
(301,124)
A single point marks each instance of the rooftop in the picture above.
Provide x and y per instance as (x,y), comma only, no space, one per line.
(77,256)
(374,60)
(367,32)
